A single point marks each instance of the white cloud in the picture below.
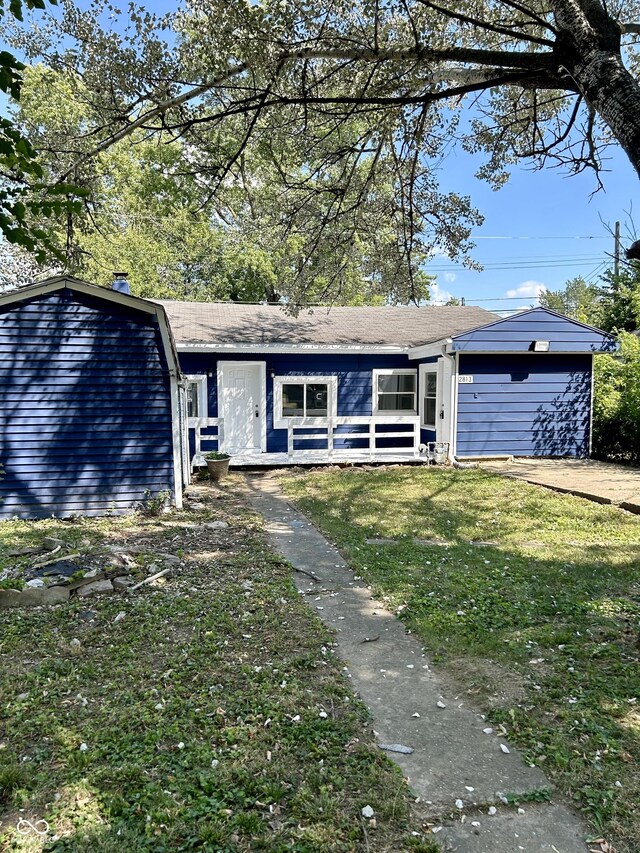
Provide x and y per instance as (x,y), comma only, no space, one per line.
(449,277)
(438,295)
(528,289)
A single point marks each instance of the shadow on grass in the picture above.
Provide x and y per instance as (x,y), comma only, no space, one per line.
(551,595)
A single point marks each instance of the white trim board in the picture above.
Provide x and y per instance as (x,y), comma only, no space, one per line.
(287,349)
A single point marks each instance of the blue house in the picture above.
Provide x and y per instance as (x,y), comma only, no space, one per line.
(106,397)
(377,383)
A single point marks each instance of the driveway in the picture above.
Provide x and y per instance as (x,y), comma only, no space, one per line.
(603,482)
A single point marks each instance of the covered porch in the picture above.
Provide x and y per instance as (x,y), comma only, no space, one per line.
(317,441)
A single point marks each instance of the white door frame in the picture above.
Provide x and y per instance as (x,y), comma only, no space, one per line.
(444,403)
(263,396)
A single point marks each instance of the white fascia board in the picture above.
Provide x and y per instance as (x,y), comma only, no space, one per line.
(428,350)
(529,352)
(253,349)
(40,289)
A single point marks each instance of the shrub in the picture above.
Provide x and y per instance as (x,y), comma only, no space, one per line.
(616,405)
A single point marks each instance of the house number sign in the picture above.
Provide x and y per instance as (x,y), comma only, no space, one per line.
(465,379)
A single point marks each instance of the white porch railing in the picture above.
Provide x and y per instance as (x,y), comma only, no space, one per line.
(377,438)
(198,424)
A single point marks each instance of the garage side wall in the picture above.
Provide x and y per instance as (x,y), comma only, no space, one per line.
(524,405)
(85,411)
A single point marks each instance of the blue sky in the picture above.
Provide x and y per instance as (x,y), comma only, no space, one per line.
(542,228)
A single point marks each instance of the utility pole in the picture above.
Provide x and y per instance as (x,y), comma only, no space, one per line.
(616,255)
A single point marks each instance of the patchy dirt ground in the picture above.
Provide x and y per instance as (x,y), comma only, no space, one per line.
(204,711)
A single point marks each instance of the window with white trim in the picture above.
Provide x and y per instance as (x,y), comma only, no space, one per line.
(196,395)
(297,397)
(395,392)
(429,397)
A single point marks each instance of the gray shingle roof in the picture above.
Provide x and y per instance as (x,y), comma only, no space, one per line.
(228,323)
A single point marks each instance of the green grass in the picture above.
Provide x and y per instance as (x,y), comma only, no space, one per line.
(540,623)
(213,717)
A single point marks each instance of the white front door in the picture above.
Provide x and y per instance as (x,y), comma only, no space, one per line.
(241,404)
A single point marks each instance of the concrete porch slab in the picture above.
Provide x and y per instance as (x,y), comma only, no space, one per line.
(603,482)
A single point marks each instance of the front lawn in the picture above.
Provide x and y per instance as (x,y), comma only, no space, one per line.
(528,600)
(206,713)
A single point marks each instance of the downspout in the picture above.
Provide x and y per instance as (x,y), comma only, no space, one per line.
(454,408)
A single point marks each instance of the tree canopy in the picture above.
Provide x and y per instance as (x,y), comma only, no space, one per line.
(334,117)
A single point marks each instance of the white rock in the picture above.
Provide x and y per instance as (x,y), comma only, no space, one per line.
(475,823)
(83,747)
(36,583)
(323,715)
(440,704)
(367,811)
(520,811)
(492,810)
(415,715)
(459,804)
(469,788)
(181,745)
(505,748)
(159,706)
(119,617)
(488,730)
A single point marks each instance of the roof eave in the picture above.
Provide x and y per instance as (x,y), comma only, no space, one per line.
(273,348)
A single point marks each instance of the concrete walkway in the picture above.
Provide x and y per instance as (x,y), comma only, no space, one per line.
(602,482)
(452,758)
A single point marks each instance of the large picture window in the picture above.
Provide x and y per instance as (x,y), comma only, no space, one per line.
(303,397)
(395,392)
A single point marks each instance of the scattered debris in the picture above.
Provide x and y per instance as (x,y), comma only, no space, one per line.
(157,575)
(367,811)
(95,587)
(440,704)
(505,748)
(396,747)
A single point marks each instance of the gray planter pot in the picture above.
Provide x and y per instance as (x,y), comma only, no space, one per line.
(218,468)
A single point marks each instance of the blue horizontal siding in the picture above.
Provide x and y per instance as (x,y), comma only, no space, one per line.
(85,412)
(516,334)
(354,375)
(544,411)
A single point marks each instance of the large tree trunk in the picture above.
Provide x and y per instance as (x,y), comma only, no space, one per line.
(589,50)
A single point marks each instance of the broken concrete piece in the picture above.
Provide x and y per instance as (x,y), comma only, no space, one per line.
(95,588)
(396,747)
(216,525)
(123,582)
(33,597)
